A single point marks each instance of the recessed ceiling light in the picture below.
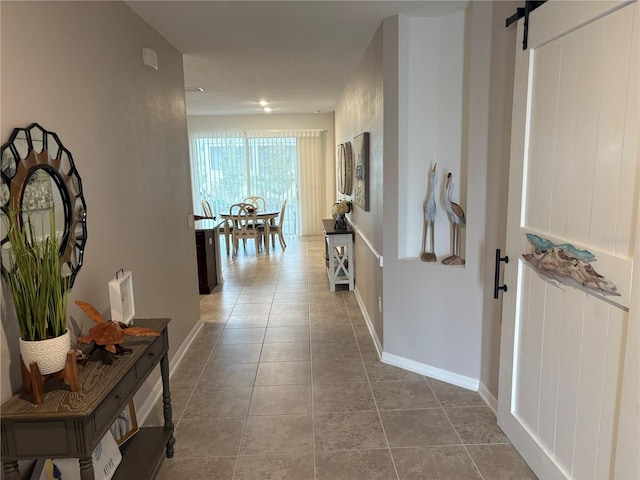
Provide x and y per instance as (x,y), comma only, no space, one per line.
(267,109)
(263,103)
(317,111)
(194,89)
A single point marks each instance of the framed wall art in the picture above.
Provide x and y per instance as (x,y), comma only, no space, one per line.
(361,182)
(126,425)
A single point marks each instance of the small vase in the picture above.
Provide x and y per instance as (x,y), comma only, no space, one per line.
(50,354)
(340,223)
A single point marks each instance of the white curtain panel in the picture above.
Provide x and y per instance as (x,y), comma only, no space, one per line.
(311,154)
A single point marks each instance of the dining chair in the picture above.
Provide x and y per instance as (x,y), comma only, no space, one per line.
(258,202)
(276,229)
(206,208)
(244,225)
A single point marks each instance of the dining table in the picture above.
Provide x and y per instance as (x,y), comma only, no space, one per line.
(266,216)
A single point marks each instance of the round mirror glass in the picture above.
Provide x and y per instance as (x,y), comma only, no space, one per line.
(43,206)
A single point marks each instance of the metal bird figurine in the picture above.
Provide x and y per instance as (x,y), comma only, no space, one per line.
(429,217)
(456,216)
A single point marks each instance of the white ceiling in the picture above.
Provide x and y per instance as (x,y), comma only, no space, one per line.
(298,55)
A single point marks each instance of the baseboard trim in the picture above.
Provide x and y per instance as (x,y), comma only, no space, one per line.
(488,398)
(429,371)
(143,411)
(367,319)
(423,369)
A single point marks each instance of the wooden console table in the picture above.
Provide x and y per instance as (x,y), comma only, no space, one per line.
(339,255)
(70,425)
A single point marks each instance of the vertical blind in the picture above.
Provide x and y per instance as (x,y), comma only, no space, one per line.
(226,167)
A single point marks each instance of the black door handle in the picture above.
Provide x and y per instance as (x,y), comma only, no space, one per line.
(496,279)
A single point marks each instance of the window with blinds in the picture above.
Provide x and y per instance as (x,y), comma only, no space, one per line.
(226,169)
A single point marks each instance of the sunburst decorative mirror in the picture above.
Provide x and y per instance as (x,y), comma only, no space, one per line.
(40,180)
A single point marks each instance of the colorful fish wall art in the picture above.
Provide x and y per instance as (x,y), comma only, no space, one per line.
(565,261)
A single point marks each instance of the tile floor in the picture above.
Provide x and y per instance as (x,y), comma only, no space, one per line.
(283,382)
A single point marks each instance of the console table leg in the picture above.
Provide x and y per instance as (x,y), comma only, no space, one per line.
(166,402)
(352,267)
(11,470)
(332,265)
(86,468)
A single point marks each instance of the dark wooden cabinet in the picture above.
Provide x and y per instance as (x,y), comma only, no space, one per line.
(208,254)
(70,425)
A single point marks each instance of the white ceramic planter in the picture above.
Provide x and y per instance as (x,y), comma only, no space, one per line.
(50,355)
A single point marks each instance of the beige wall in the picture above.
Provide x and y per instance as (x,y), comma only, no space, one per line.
(360,109)
(207,123)
(76,68)
(432,313)
(438,320)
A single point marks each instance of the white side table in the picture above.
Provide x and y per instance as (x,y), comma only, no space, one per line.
(339,255)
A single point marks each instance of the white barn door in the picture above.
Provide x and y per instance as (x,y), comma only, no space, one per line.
(571,236)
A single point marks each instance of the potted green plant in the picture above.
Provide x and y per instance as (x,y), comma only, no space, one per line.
(32,270)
